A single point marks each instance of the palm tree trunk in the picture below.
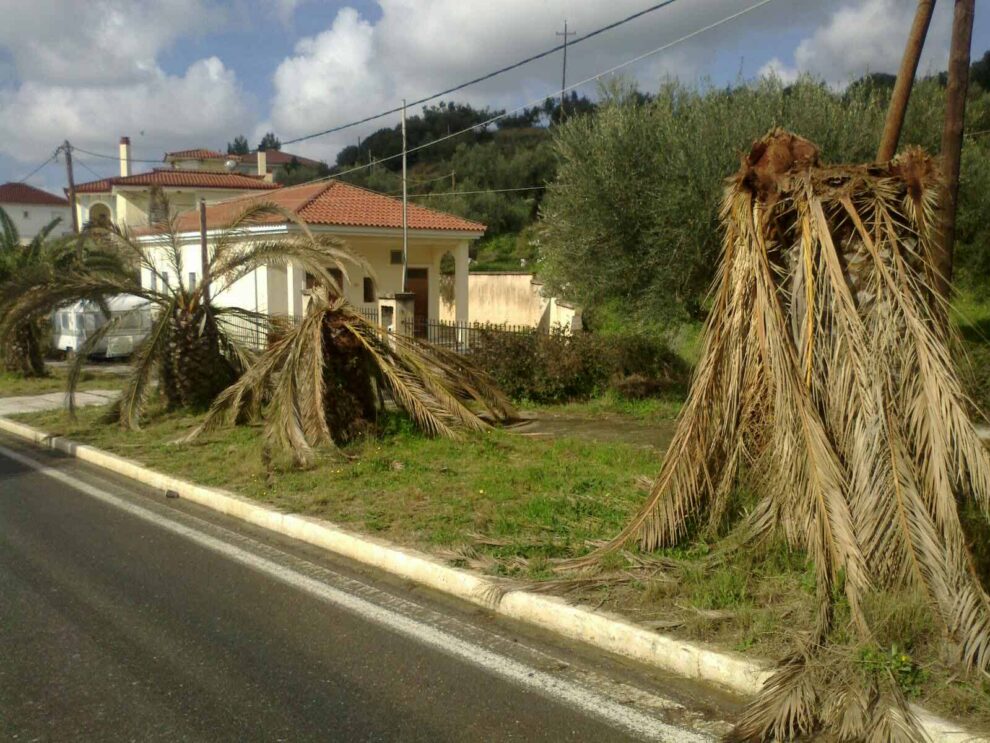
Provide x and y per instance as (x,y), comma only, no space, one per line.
(24,355)
(194,371)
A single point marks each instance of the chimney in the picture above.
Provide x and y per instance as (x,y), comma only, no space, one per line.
(125,156)
(262,163)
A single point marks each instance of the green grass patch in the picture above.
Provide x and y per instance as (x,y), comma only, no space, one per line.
(611,405)
(509,505)
(12,385)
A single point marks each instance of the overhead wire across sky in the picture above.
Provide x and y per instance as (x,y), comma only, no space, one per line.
(493,119)
(486,76)
(497,117)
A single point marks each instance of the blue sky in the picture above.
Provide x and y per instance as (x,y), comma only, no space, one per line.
(187,73)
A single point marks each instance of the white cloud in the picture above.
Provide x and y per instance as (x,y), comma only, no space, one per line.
(866,36)
(96,42)
(416,47)
(89,72)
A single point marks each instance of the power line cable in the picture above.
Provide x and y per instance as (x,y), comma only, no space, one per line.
(609,71)
(488,76)
(82,162)
(50,159)
(498,117)
(483,190)
(113,157)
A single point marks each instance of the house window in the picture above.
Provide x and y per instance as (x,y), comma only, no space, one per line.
(369,290)
(192,280)
(395,258)
(27,214)
(164,279)
(154,281)
(338,277)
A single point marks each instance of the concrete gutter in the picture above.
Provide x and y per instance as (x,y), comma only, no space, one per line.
(731,671)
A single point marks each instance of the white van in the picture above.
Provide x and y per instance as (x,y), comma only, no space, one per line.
(72,325)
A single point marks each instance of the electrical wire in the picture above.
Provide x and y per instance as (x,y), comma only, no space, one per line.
(463,193)
(504,114)
(82,162)
(52,157)
(487,76)
(113,157)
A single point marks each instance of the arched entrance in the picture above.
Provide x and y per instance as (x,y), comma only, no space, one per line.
(99,216)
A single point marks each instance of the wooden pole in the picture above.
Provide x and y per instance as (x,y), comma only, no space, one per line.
(405,202)
(952,136)
(905,80)
(204,254)
(67,149)
(563,73)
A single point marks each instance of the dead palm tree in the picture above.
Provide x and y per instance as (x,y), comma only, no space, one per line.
(323,381)
(196,346)
(826,383)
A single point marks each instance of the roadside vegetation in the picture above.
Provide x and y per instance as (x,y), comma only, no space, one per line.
(510,505)
(630,229)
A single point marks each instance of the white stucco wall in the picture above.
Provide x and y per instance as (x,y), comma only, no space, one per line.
(513,298)
(31,218)
(279,290)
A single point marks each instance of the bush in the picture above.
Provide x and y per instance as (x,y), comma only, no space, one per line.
(557,367)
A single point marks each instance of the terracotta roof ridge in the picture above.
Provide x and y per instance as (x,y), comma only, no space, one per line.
(316,194)
(436,212)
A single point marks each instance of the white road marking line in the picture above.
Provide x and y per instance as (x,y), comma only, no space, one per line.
(574,695)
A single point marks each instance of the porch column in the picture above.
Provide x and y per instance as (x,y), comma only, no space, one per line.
(461,292)
(294,279)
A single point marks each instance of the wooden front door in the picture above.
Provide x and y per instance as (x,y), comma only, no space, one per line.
(418,283)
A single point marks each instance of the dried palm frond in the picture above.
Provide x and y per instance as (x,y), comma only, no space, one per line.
(323,382)
(194,346)
(825,377)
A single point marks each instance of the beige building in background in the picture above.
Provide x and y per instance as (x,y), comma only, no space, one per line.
(369,223)
(136,200)
(514,298)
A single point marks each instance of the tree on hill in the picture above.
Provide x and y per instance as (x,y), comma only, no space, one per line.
(239,146)
(630,227)
(270,142)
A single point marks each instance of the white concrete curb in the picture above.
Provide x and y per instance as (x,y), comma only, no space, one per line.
(731,671)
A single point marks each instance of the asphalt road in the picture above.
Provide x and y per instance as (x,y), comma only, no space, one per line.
(126,616)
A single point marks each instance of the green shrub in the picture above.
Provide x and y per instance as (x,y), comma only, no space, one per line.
(557,367)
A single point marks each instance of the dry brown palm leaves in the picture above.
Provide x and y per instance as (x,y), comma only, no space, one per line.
(323,382)
(826,382)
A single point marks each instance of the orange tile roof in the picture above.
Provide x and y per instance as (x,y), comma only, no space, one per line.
(199,153)
(173,178)
(332,203)
(277,157)
(22,193)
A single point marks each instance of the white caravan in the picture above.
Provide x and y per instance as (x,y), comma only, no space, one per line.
(72,325)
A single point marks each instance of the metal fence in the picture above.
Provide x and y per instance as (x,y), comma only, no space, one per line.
(457,336)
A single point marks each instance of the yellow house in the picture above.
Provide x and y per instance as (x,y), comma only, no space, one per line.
(137,200)
(369,223)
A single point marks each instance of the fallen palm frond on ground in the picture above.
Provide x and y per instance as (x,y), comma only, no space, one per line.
(322,383)
(195,346)
(826,385)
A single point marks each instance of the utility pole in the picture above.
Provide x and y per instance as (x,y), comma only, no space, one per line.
(905,81)
(405,202)
(563,75)
(952,136)
(204,255)
(67,149)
